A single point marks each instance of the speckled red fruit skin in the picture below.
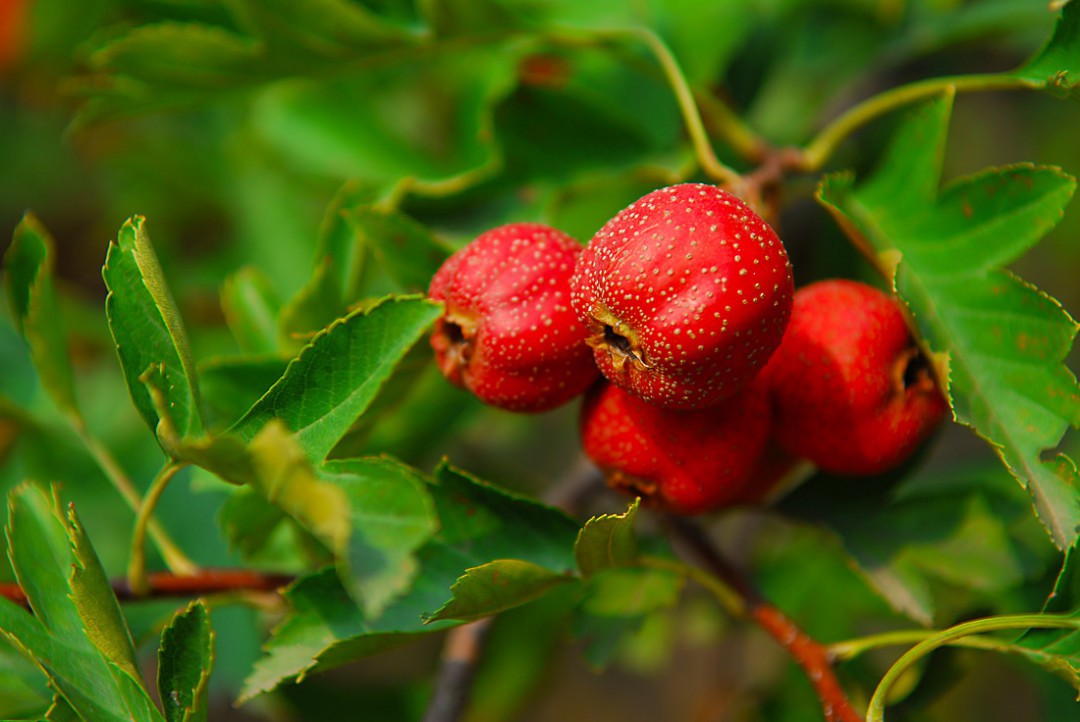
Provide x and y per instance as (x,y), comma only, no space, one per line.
(840,397)
(508,334)
(682,461)
(686,294)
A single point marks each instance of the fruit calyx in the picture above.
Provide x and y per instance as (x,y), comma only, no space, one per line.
(911,374)
(608,333)
(453,339)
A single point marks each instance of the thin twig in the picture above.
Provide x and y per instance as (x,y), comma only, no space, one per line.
(457,669)
(807,652)
(166,585)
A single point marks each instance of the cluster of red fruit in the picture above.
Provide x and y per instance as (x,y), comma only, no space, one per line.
(719,375)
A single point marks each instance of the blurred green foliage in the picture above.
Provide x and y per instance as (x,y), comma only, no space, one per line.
(258,139)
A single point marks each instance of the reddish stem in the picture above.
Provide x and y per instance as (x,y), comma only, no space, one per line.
(807,652)
(166,585)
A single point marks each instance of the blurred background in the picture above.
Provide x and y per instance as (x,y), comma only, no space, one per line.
(233,145)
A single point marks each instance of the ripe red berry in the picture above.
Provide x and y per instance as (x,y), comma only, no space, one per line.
(851,391)
(685,462)
(686,293)
(508,334)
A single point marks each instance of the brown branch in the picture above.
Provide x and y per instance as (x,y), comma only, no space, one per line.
(457,669)
(165,585)
(807,652)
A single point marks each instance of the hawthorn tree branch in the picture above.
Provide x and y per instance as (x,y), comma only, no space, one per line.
(457,670)
(808,653)
(165,585)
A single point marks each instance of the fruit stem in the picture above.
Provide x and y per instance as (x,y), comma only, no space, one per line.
(818,151)
(684,96)
(171,554)
(807,652)
(137,579)
(876,710)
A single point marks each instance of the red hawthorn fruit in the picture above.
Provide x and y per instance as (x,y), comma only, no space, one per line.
(851,391)
(686,293)
(682,461)
(508,334)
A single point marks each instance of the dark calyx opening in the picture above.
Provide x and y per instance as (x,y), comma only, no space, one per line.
(617,341)
(917,370)
(460,346)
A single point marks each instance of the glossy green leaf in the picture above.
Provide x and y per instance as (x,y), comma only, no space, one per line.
(23,689)
(391,516)
(285,476)
(1058,650)
(93,597)
(148,331)
(495,587)
(74,634)
(41,557)
(334,379)
(61,711)
(251,308)
(1057,66)
(998,342)
(28,280)
(373,514)
(985,540)
(185,657)
(606,542)
(479,524)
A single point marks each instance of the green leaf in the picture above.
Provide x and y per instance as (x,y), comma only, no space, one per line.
(75,634)
(407,251)
(167,64)
(391,516)
(1056,67)
(495,587)
(449,18)
(184,661)
(285,476)
(23,689)
(41,557)
(373,514)
(480,524)
(998,342)
(353,127)
(320,28)
(96,602)
(607,541)
(251,309)
(232,385)
(334,379)
(617,601)
(148,331)
(493,523)
(339,262)
(28,279)
(248,519)
(985,540)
